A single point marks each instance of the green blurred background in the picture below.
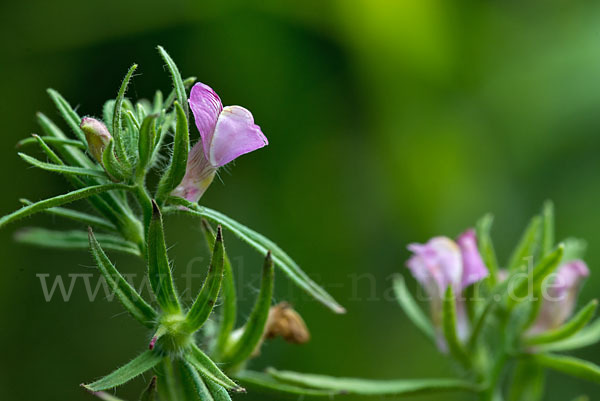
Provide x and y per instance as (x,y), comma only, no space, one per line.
(389,122)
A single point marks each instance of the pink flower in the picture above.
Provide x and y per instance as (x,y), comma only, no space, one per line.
(560,296)
(225,134)
(441,263)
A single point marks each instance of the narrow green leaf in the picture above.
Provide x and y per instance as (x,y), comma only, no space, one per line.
(52,140)
(527,245)
(159,269)
(59,201)
(545,267)
(146,142)
(127,295)
(455,347)
(411,308)
(145,361)
(73,239)
(254,328)
(85,218)
(228,294)
(372,387)
(209,370)
(486,247)
(262,381)
(193,386)
(157,104)
(166,121)
(574,325)
(49,152)
(527,383)
(547,228)
(217,392)
(590,335)
(111,164)
(72,155)
(177,81)
(149,393)
(57,168)
(176,170)
(70,116)
(570,365)
(207,297)
(263,245)
(189,81)
(116,116)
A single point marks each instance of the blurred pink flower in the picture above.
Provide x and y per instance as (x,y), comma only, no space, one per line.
(225,134)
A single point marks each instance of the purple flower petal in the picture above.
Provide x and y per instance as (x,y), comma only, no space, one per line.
(198,175)
(235,135)
(474,269)
(206,107)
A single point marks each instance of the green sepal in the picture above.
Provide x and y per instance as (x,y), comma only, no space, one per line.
(70,116)
(149,394)
(228,307)
(146,143)
(177,80)
(262,381)
(456,348)
(113,167)
(145,361)
(157,104)
(127,295)
(62,169)
(177,167)
(412,309)
(527,382)
(120,146)
(547,241)
(372,387)
(52,140)
(570,328)
(73,239)
(108,110)
(527,245)
(570,365)
(574,249)
(209,369)
(243,347)
(263,245)
(207,297)
(59,201)
(217,392)
(486,246)
(159,269)
(192,385)
(589,335)
(75,215)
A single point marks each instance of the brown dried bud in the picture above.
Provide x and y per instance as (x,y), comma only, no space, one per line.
(286,322)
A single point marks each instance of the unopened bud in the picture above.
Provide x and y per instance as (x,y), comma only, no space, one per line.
(97,136)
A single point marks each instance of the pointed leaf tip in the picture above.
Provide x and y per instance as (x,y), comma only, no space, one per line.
(219,233)
(155,210)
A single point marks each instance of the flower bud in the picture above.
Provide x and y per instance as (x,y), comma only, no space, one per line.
(97,136)
(286,322)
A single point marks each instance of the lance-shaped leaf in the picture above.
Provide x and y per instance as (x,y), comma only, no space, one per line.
(228,296)
(263,245)
(59,201)
(547,228)
(116,118)
(545,267)
(576,323)
(57,168)
(159,270)
(486,247)
(411,308)
(192,385)
(570,365)
(209,370)
(207,297)
(217,392)
(455,347)
(176,170)
(149,394)
(590,335)
(75,215)
(253,330)
(53,141)
(177,81)
(127,295)
(49,152)
(527,245)
(263,381)
(348,385)
(528,382)
(70,154)
(145,361)
(73,239)
(70,116)
(146,143)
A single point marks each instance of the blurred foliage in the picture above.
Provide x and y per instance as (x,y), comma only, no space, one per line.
(389,122)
